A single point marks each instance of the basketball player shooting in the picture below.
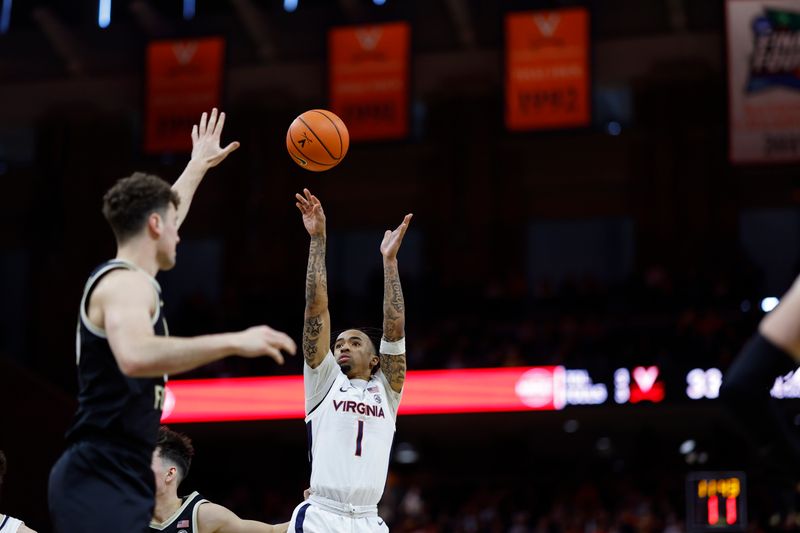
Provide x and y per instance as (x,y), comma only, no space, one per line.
(351,393)
(104,481)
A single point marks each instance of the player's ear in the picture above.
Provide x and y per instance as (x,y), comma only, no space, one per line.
(155,224)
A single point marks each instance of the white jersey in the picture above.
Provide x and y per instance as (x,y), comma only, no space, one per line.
(9,525)
(351,426)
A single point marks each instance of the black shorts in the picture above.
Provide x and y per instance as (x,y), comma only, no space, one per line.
(97,487)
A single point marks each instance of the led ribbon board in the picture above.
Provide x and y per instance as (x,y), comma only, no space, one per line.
(426,392)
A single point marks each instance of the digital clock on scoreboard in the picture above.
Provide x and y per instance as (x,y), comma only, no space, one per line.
(716,501)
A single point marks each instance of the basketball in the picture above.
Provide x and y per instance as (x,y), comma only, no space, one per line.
(317,140)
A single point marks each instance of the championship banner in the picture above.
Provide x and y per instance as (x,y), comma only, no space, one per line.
(764,80)
(184,79)
(547,69)
(369,79)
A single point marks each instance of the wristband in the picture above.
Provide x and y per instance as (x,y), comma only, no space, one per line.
(394,347)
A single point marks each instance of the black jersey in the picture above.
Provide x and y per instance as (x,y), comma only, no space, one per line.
(185,518)
(113,407)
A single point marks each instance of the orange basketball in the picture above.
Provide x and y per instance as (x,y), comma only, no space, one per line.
(317,140)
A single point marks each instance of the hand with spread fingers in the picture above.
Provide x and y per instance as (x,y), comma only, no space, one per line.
(206,140)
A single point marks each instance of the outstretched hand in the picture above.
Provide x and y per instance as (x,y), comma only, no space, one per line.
(313,215)
(205,140)
(263,340)
(392,239)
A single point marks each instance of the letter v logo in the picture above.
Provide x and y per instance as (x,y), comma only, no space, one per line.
(184,51)
(368,37)
(547,24)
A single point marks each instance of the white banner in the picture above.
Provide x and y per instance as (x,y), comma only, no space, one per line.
(764,80)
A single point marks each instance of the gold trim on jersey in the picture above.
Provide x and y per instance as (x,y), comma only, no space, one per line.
(168,522)
(113,265)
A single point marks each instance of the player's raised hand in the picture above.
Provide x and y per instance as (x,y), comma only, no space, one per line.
(206,137)
(311,209)
(392,239)
(263,340)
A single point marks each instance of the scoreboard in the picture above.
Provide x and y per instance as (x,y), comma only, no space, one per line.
(716,501)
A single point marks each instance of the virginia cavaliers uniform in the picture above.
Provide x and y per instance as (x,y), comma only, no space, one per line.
(350,425)
(104,481)
(185,518)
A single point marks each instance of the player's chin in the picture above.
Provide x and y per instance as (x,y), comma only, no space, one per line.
(346,369)
(167,263)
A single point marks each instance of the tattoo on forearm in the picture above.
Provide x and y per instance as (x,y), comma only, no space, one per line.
(316,297)
(312,327)
(394,368)
(394,309)
(316,276)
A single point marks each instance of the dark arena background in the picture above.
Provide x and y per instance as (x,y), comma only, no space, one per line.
(605,198)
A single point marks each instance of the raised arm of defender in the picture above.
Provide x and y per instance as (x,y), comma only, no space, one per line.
(393,356)
(206,153)
(123,302)
(316,319)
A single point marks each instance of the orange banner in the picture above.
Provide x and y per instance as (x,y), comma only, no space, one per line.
(547,69)
(369,79)
(184,79)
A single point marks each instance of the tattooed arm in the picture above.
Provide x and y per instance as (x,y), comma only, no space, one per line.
(317,322)
(393,366)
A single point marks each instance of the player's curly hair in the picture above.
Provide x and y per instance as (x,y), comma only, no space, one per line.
(176,448)
(131,200)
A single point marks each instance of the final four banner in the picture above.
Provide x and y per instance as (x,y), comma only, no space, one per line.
(764,80)
(184,78)
(547,69)
(369,79)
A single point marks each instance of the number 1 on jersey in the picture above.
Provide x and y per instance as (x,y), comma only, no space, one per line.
(359,437)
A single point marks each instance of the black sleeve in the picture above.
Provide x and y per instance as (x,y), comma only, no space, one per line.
(745,391)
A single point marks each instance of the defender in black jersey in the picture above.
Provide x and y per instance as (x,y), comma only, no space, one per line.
(104,481)
(190,514)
